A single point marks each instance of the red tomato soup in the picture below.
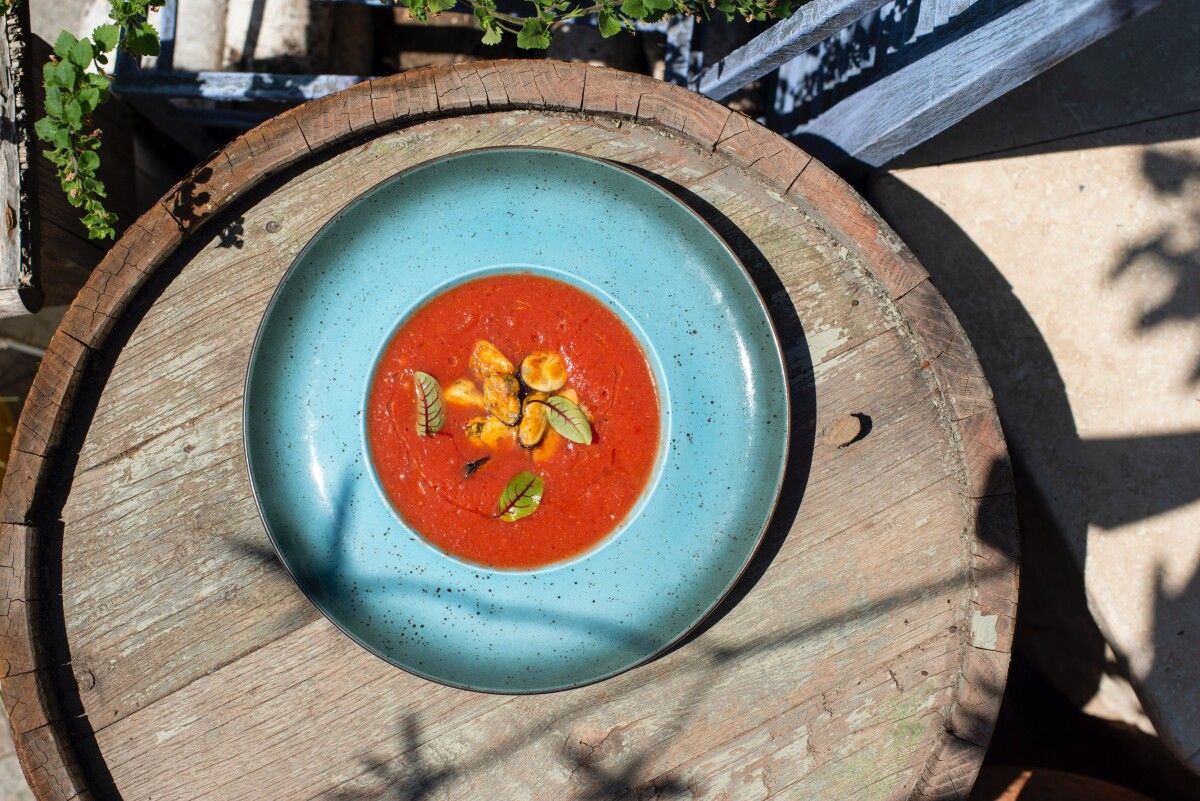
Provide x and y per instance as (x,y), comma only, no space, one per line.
(497,347)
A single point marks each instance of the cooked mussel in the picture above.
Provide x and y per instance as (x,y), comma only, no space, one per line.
(463,392)
(487,432)
(544,371)
(501,397)
(486,359)
(533,421)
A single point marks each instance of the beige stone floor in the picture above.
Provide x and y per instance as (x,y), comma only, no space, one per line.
(12,782)
(1069,247)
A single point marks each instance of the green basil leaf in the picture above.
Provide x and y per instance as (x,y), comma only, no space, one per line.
(431,414)
(568,419)
(521,497)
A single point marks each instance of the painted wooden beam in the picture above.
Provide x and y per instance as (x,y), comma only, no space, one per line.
(954,74)
(809,25)
(233,86)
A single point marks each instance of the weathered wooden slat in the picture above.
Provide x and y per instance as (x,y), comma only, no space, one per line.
(204,674)
(810,24)
(1018,40)
(199,371)
(17,176)
(727,693)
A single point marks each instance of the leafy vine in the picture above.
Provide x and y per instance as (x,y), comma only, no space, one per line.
(76,81)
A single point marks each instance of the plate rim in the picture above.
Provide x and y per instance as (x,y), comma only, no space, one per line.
(777,350)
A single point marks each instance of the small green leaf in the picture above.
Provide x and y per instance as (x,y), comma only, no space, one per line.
(431,414)
(65,74)
(63,44)
(89,160)
(492,35)
(609,24)
(107,36)
(634,8)
(72,113)
(568,419)
(54,101)
(89,98)
(81,54)
(534,35)
(521,497)
(46,129)
(142,40)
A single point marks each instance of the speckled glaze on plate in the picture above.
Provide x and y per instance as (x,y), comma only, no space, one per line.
(723,398)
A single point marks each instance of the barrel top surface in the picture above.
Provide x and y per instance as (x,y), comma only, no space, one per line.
(156,649)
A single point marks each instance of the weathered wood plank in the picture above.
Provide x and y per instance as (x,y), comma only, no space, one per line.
(16,175)
(169,597)
(726,691)
(1016,42)
(129,468)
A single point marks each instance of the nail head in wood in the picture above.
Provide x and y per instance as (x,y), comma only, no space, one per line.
(843,430)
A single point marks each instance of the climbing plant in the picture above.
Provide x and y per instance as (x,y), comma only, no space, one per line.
(76,80)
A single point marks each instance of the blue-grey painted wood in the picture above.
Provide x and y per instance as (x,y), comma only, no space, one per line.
(808,26)
(233,86)
(957,71)
(678,60)
(168,20)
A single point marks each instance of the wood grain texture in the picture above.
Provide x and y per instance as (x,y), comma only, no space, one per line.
(975,59)
(16,177)
(843,672)
(27,681)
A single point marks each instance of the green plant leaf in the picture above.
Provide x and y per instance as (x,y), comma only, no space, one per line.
(568,419)
(492,35)
(534,35)
(89,160)
(89,98)
(54,103)
(107,36)
(609,24)
(142,40)
(73,113)
(65,74)
(46,129)
(81,54)
(521,497)
(63,44)
(634,8)
(431,413)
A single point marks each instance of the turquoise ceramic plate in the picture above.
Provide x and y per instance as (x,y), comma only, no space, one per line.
(713,352)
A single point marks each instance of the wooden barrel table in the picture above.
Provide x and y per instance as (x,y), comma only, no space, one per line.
(155,649)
